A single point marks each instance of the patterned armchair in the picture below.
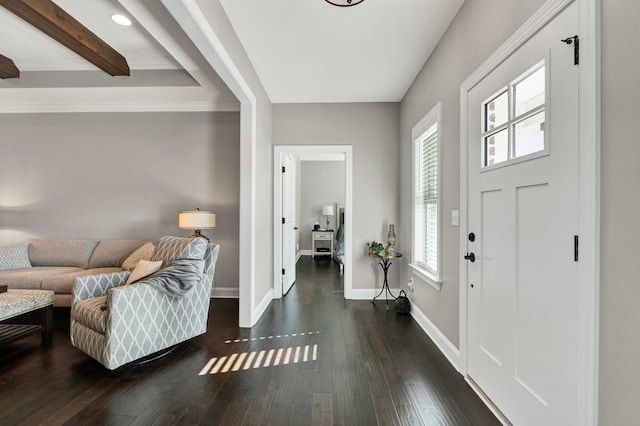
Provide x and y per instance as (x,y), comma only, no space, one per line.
(116,323)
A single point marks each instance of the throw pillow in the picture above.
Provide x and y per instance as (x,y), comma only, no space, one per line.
(174,248)
(144,268)
(143,252)
(15,256)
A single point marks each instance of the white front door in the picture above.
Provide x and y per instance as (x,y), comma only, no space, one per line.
(288,223)
(523,211)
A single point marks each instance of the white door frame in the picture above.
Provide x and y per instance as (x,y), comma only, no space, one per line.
(589,145)
(192,20)
(279,151)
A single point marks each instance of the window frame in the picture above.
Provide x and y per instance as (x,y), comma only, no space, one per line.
(418,134)
(514,119)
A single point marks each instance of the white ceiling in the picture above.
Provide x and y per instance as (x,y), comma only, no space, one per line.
(302,50)
(167,71)
(312,51)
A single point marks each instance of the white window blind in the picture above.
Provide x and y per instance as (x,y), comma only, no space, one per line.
(426,231)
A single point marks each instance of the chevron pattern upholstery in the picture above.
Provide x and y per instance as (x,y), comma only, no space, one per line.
(116,323)
(173,248)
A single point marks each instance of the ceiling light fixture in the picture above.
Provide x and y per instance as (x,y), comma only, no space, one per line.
(344,3)
(121,20)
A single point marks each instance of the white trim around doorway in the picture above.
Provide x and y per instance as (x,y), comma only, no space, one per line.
(279,151)
(589,146)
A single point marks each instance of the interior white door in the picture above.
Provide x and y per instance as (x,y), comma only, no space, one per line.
(523,210)
(288,226)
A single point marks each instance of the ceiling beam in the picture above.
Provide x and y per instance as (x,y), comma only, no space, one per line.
(7,68)
(64,28)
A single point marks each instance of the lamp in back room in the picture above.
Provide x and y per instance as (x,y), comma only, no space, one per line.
(327,211)
(197,220)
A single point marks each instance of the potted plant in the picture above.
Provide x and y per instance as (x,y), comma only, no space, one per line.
(375,247)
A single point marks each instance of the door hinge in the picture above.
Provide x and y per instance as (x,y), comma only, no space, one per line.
(576,48)
(283,221)
(575,248)
(283,169)
(283,271)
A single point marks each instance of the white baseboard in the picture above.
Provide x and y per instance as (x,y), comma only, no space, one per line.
(225,292)
(306,252)
(298,256)
(501,417)
(370,293)
(446,347)
(263,305)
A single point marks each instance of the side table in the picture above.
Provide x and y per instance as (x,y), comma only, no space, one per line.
(326,236)
(384,262)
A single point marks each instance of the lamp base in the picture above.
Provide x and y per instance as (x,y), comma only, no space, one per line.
(198,234)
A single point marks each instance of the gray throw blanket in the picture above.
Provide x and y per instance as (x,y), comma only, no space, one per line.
(177,278)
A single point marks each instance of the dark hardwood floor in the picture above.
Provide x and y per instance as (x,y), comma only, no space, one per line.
(313,358)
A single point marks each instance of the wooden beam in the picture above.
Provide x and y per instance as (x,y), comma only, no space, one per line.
(62,27)
(7,68)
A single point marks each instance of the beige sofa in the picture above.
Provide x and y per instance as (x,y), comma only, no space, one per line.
(56,263)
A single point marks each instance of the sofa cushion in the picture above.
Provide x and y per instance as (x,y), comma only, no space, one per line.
(53,252)
(169,249)
(32,278)
(112,253)
(63,283)
(15,256)
(91,313)
(142,253)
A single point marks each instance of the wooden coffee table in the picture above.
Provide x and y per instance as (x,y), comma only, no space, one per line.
(15,303)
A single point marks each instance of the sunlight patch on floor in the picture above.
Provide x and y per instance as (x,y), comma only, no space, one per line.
(279,336)
(264,358)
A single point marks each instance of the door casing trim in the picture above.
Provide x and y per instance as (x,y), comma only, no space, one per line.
(589,200)
(279,151)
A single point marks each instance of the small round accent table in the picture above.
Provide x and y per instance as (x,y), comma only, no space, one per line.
(385,262)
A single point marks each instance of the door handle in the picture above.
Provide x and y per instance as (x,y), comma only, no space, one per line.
(471,257)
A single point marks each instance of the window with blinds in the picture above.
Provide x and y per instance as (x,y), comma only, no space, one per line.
(426,193)
(426,220)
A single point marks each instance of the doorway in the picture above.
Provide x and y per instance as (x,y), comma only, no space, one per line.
(524,312)
(281,153)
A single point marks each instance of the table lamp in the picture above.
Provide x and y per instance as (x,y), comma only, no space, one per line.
(197,220)
(327,211)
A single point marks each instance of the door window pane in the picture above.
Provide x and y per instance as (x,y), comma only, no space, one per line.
(497,148)
(497,111)
(513,120)
(529,135)
(529,93)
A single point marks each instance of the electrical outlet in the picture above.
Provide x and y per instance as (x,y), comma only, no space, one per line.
(410,285)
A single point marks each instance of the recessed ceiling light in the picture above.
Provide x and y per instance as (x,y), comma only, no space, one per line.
(121,20)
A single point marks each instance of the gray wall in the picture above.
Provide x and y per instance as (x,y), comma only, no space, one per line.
(372,130)
(464,47)
(620,205)
(117,175)
(456,58)
(322,183)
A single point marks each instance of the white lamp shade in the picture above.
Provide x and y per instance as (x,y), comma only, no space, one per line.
(196,220)
(327,210)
